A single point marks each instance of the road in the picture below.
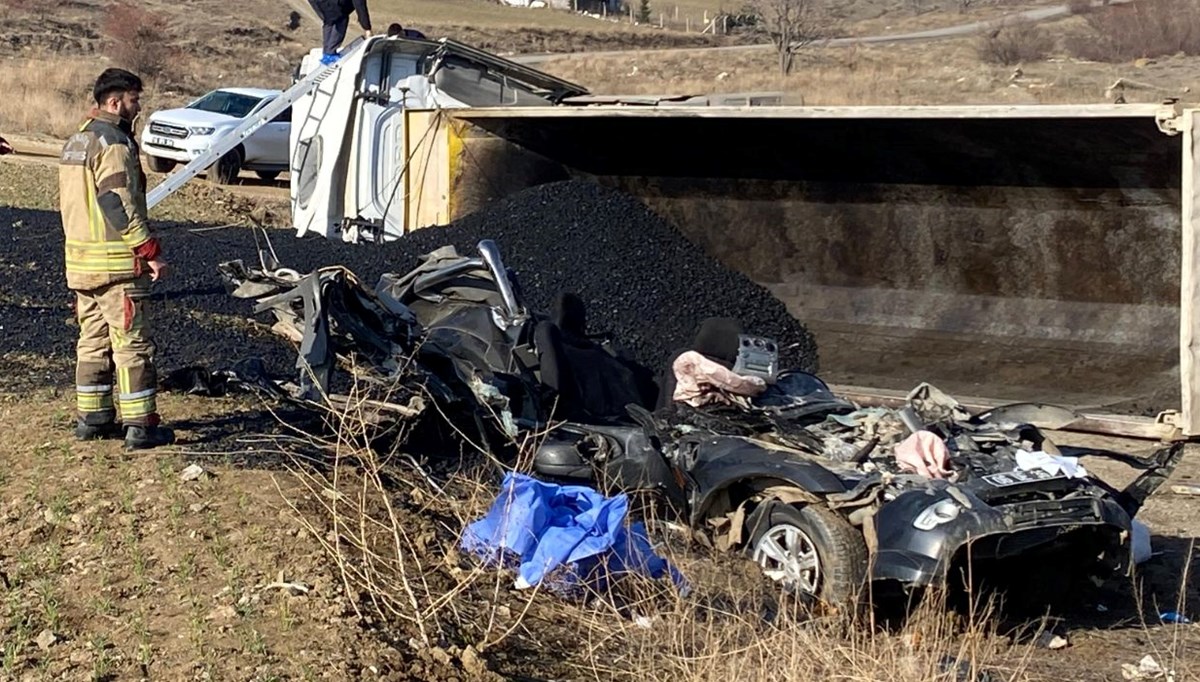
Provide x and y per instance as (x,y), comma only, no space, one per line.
(1035,15)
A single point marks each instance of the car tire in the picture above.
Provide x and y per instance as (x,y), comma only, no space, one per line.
(225,171)
(269,176)
(830,555)
(160,165)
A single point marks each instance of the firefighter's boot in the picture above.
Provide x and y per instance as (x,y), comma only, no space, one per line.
(145,437)
(86,431)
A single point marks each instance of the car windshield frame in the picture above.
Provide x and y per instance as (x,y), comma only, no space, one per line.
(235,104)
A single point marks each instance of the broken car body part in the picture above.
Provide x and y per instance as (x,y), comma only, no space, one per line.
(792,471)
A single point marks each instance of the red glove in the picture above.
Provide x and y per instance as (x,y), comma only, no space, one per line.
(150,250)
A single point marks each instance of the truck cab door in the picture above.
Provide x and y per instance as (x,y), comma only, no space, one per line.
(385,91)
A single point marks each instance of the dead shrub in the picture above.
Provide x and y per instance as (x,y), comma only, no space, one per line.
(1148,28)
(1014,43)
(138,39)
(392,533)
(1080,6)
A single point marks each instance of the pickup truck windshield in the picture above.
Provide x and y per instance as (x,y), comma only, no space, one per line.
(228,103)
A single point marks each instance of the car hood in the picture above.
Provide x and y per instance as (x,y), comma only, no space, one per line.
(191,117)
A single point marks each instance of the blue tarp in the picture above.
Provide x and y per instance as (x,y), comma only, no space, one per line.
(545,527)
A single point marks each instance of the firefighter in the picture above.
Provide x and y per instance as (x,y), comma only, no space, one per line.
(111,258)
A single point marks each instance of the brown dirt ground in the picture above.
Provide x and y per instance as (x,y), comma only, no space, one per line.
(140,575)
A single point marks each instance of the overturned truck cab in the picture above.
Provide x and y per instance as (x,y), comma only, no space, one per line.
(352,154)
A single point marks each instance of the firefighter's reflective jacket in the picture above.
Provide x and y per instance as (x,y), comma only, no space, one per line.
(102,196)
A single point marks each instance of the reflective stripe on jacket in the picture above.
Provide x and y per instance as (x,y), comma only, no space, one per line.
(102,198)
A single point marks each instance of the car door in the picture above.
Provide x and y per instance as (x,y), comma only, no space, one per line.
(268,146)
(275,139)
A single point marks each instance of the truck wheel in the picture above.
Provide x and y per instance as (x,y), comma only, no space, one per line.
(160,165)
(225,170)
(810,551)
(267,175)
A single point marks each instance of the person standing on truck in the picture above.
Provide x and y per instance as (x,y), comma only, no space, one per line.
(111,258)
(335,17)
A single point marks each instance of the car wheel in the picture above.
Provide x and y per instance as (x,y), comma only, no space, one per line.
(160,165)
(267,175)
(225,170)
(810,551)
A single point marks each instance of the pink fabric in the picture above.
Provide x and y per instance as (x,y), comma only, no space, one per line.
(700,381)
(924,453)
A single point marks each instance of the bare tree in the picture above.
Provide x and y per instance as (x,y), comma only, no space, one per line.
(791,25)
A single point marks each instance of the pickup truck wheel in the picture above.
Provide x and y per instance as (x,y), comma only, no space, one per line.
(267,175)
(160,165)
(810,551)
(225,171)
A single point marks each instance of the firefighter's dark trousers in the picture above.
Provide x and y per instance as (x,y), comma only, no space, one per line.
(114,335)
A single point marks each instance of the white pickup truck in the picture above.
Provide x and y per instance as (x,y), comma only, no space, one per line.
(179,135)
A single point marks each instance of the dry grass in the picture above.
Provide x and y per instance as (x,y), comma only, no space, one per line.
(140,575)
(393,534)
(45,94)
(945,72)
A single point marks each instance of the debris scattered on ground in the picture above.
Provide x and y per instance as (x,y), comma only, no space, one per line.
(192,472)
(46,639)
(1049,640)
(1174,618)
(1191,490)
(1146,669)
(292,587)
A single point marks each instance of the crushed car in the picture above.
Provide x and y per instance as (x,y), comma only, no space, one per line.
(825,495)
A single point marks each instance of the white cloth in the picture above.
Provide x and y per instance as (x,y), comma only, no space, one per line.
(1051,464)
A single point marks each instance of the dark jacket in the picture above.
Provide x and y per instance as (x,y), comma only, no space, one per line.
(331,11)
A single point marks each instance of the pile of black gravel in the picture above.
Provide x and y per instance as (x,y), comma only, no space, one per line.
(641,279)
(639,276)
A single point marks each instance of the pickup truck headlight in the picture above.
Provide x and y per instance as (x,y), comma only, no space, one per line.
(936,514)
(202,130)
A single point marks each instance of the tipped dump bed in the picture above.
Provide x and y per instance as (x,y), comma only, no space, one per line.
(1015,253)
